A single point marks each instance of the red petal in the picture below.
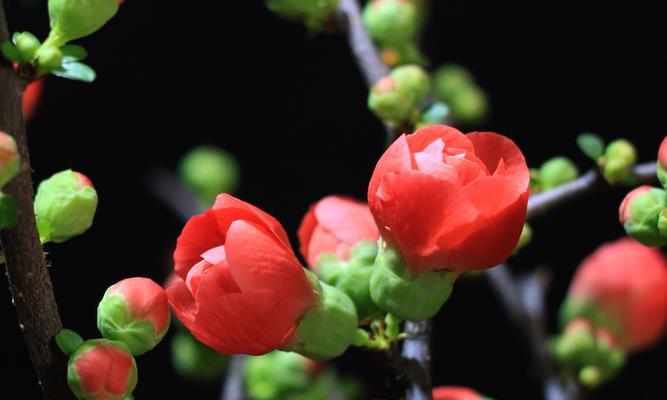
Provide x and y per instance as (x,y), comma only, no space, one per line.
(347,219)
(396,158)
(321,242)
(199,234)
(491,148)
(145,299)
(452,137)
(104,371)
(182,303)
(305,233)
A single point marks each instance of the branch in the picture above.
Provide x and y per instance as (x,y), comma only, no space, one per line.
(233,386)
(417,356)
(524,301)
(26,268)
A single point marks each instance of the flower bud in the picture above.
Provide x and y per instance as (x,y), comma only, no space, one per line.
(391,22)
(196,361)
(10,161)
(617,162)
(314,14)
(353,276)
(49,58)
(65,205)
(451,79)
(280,375)
(409,297)
(662,163)
(395,98)
(134,311)
(74,19)
(469,105)
(557,171)
(337,313)
(209,171)
(27,45)
(640,212)
(102,369)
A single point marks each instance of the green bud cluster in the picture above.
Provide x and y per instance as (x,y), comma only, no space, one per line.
(313,14)
(455,86)
(396,98)
(554,172)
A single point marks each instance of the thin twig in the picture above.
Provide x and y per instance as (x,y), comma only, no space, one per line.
(29,281)
(417,355)
(233,386)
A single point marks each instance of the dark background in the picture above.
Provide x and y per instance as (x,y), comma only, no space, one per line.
(292,108)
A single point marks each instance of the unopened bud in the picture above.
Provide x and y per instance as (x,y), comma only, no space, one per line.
(10,161)
(619,158)
(640,213)
(209,171)
(396,98)
(391,22)
(557,171)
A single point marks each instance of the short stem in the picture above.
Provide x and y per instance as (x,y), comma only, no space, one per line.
(393,326)
(363,339)
(417,355)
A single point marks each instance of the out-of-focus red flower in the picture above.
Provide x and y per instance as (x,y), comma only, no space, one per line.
(450,201)
(622,286)
(242,289)
(662,154)
(31,99)
(333,225)
(455,393)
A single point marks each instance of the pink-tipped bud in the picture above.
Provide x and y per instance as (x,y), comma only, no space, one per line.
(10,161)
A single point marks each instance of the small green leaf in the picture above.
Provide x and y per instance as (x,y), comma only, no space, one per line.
(9,211)
(76,71)
(72,52)
(591,145)
(68,341)
(9,51)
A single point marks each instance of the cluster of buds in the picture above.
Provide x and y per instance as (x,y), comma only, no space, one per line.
(313,14)
(605,313)
(643,211)
(395,26)
(133,316)
(615,159)
(552,173)
(455,86)
(397,98)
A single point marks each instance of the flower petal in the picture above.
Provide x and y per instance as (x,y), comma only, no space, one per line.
(347,219)
(396,158)
(452,137)
(200,233)
(491,148)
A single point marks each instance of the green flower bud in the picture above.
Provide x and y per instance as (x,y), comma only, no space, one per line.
(391,22)
(412,298)
(49,58)
(328,328)
(65,205)
(27,45)
(10,161)
(619,158)
(314,14)
(469,105)
(451,79)
(209,171)
(277,375)
(557,171)
(353,277)
(576,345)
(74,19)
(196,361)
(396,98)
(640,214)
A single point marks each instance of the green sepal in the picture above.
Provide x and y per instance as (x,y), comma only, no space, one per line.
(353,276)
(591,145)
(409,297)
(68,341)
(10,51)
(328,328)
(76,71)
(73,52)
(9,211)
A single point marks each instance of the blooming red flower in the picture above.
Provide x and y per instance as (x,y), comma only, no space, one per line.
(242,289)
(450,201)
(622,286)
(102,370)
(333,225)
(455,393)
(31,99)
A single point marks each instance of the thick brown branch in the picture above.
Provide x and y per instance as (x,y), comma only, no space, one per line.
(29,281)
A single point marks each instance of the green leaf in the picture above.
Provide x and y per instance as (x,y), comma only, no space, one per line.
(9,211)
(591,145)
(76,71)
(72,52)
(9,51)
(68,341)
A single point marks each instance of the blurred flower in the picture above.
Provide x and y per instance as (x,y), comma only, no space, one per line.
(194,360)
(641,214)
(662,163)
(31,99)
(10,161)
(456,393)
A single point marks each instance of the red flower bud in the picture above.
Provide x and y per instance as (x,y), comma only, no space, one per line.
(10,161)
(455,393)
(31,99)
(450,201)
(102,370)
(622,287)
(134,311)
(242,289)
(333,225)
(662,154)
(624,212)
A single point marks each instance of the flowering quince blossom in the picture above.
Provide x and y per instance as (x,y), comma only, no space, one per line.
(136,312)
(243,291)
(338,237)
(456,393)
(622,287)
(333,225)
(445,203)
(102,370)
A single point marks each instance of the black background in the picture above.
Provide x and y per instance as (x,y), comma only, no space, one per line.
(292,108)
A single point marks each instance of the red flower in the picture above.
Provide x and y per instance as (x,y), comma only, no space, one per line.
(455,393)
(450,201)
(31,99)
(333,225)
(662,154)
(623,285)
(242,289)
